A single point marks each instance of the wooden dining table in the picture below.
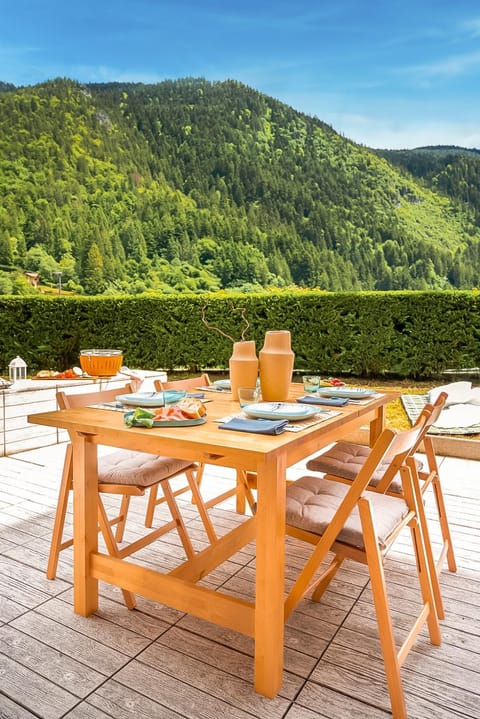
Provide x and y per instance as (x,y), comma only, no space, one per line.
(269,456)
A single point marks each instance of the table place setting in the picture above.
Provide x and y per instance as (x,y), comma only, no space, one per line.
(334,392)
(256,426)
(331,401)
(241,422)
(334,401)
(366,400)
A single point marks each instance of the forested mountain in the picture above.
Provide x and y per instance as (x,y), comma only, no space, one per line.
(453,171)
(190,185)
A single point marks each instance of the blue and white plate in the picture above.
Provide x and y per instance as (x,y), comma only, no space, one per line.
(223,384)
(151,399)
(348,392)
(280,410)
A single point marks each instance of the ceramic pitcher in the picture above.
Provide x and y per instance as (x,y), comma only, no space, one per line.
(276,366)
(243,366)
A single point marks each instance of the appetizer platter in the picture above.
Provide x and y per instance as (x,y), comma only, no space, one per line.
(188,412)
(72,373)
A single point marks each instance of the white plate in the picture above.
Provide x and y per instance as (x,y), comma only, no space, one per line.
(280,410)
(348,392)
(151,399)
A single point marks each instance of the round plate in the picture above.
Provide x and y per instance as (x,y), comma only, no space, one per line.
(348,392)
(280,410)
(151,399)
(223,384)
(180,422)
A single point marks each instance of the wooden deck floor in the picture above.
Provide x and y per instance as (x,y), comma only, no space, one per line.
(155,662)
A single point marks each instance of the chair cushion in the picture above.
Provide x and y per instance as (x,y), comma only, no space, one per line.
(139,469)
(313,501)
(345,459)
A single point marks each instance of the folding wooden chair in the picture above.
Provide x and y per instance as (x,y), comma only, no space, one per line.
(242,489)
(128,474)
(342,462)
(362,526)
(190,384)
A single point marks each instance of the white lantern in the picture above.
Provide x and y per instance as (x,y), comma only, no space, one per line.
(17,369)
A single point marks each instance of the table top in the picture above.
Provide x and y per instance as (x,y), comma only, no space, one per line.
(107,427)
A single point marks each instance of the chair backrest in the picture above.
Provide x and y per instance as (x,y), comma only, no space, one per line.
(394,457)
(428,476)
(435,410)
(402,446)
(84,399)
(393,447)
(427,417)
(191,383)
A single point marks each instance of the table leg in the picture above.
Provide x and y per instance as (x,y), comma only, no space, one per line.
(85,524)
(377,425)
(270,577)
(240,498)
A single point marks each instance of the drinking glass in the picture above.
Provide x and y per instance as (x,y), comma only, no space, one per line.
(248,395)
(311,382)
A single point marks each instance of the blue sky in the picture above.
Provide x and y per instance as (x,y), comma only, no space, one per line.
(385,73)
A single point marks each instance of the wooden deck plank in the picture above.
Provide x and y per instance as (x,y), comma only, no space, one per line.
(76,677)
(195,690)
(73,644)
(122,702)
(45,698)
(157,661)
(218,656)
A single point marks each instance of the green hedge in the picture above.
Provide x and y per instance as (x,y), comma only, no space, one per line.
(401,334)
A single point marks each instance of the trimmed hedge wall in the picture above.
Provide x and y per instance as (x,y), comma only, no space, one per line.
(401,334)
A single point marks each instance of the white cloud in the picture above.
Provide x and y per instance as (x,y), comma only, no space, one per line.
(452,66)
(103,73)
(377,132)
(472,26)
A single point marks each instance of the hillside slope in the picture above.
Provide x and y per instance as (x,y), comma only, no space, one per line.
(193,185)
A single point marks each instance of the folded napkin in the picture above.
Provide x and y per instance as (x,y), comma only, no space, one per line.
(258,426)
(332,401)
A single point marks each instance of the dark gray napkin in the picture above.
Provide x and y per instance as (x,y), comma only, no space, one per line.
(257,426)
(331,401)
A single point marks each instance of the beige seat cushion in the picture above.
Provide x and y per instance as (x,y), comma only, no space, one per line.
(138,468)
(313,501)
(345,459)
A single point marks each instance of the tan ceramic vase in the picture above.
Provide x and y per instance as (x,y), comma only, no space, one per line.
(243,366)
(276,366)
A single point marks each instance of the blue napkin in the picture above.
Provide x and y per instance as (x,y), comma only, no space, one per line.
(258,426)
(332,401)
